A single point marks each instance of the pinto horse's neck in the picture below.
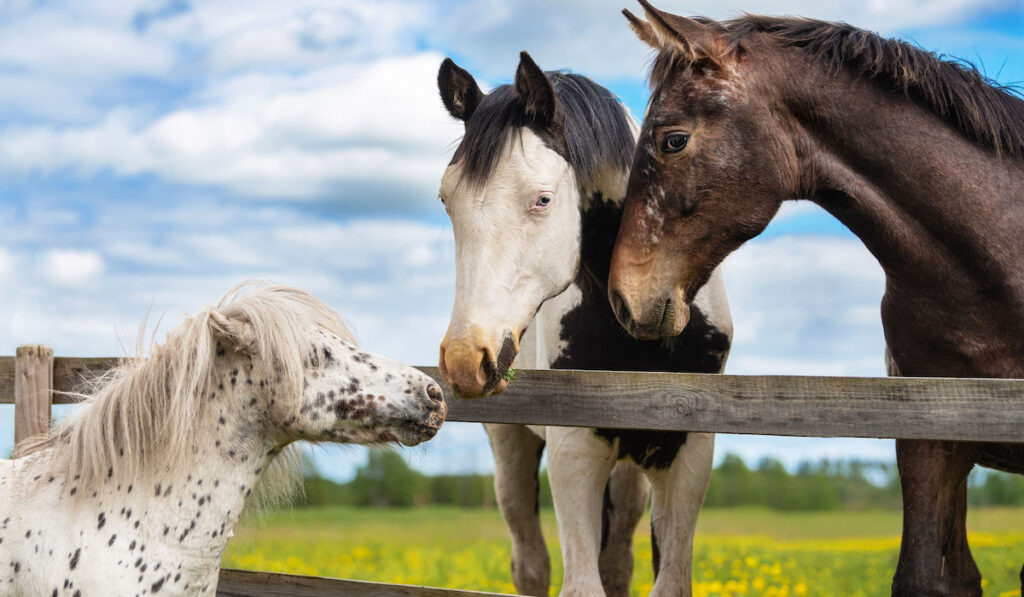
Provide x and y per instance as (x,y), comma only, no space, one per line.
(601,212)
(943,216)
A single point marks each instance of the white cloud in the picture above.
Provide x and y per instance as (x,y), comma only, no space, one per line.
(806,305)
(593,37)
(72,267)
(357,135)
(7,265)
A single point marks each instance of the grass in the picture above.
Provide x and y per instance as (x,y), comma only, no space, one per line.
(738,551)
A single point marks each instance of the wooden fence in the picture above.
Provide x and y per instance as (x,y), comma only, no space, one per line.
(912,408)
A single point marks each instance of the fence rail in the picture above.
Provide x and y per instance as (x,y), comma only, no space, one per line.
(913,408)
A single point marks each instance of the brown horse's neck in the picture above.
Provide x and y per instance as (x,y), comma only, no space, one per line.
(943,216)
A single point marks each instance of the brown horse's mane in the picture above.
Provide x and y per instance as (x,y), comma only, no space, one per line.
(990,114)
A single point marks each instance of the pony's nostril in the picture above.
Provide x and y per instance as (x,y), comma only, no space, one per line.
(435,393)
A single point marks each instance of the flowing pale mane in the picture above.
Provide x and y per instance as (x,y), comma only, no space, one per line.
(141,417)
(990,114)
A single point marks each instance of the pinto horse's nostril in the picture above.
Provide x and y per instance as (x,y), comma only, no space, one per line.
(435,393)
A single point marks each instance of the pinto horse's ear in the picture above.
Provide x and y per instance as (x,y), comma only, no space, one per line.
(459,91)
(535,88)
(694,39)
(238,334)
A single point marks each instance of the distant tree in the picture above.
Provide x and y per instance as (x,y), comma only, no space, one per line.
(386,480)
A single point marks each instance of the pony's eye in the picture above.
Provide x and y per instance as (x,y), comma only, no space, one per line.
(674,142)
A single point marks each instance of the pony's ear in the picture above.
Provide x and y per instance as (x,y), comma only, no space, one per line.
(695,40)
(459,91)
(535,88)
(238,334)
(642,29)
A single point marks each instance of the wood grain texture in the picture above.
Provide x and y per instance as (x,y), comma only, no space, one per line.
(913,408)
(244,583)
(33,390)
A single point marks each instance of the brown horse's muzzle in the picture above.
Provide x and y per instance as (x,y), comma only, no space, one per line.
(646,304)
(475,369)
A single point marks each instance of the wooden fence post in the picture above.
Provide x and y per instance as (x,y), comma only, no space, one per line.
(33,390)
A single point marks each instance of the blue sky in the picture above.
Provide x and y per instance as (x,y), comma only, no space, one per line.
(153,154)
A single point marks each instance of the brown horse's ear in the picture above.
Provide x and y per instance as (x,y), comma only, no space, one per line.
(694,39)
(459,91)
(535,88)
(642,29)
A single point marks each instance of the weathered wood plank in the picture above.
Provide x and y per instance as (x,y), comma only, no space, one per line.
(922,408)
(244,583)
(7,380)
(68,375)
(33,390)
(914,408)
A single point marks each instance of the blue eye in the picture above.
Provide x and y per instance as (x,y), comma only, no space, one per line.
(544,200)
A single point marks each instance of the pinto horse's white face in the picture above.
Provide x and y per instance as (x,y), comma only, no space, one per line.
(517,244)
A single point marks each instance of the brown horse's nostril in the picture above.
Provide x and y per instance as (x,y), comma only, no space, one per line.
(435,393)
(619,308)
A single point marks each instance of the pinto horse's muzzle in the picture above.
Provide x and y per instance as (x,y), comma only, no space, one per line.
(475,370)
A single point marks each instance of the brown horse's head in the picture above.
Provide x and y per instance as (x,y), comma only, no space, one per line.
(712,166)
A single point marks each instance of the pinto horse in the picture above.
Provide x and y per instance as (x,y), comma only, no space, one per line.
(923,159)
(138,492)
(534,192)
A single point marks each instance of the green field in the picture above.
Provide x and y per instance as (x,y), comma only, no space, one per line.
(738,551)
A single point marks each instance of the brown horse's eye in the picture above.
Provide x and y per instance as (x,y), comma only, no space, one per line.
(674,142)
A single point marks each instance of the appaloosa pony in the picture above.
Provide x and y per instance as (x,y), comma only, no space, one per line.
(923,159)
(137,493)
(534,192)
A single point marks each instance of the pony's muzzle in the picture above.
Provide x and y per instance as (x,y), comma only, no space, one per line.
(430,414)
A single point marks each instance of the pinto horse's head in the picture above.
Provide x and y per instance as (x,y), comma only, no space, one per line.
(711,168)
(513,193)
(510,196)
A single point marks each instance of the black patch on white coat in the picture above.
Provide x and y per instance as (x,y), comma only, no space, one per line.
(595,340)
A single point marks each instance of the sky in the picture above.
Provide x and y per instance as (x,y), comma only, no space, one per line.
(155,153)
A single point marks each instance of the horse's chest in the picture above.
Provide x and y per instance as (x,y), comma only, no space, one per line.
(589,337)
(930,339)
(585,335)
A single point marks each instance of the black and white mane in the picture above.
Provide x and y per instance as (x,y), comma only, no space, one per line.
(594,133)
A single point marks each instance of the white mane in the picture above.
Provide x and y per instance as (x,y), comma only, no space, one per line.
(141,417)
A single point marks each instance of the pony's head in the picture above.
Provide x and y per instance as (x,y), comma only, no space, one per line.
(305,373)
(713,164)
(273,363)
(513,192)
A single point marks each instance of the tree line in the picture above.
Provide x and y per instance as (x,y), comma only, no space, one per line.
(386,480)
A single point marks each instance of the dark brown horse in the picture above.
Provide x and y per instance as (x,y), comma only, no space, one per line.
(921,158)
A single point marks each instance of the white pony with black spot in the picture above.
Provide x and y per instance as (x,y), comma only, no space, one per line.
(535,193)
(137,492)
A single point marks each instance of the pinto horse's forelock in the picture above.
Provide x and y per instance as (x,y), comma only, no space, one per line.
(594,130)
